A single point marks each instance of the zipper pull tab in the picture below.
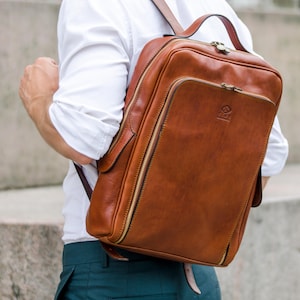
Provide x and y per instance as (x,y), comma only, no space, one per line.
(220,47)
(230,87)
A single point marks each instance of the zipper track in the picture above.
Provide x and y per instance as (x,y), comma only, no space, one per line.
(137,88)
(144,166)
(175,40)
(154,140)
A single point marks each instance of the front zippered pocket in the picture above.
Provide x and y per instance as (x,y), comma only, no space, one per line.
(159,129)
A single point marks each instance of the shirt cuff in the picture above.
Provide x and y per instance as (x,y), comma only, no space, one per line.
(86,134)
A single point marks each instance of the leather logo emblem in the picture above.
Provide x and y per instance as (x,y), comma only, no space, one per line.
(225,113)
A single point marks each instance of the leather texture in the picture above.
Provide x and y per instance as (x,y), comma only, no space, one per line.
(182,173)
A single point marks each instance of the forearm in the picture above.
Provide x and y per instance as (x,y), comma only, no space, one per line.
(42,121)
(37,86)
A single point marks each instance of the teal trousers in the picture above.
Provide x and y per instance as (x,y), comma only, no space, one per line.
(89,274)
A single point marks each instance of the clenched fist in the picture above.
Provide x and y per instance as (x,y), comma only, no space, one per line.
(37,86)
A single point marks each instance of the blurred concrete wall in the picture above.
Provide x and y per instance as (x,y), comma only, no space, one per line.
(276,37)
(28,30)
(268,4)
(267,266)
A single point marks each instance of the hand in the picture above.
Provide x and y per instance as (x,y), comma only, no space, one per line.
(38,84)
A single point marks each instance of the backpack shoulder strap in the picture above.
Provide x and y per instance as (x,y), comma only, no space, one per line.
(165,10)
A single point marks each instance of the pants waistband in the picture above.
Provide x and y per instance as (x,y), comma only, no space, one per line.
(92,251)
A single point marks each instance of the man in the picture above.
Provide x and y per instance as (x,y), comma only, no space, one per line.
(79,112)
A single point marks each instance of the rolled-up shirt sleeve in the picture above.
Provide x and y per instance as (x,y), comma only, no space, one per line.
(83,132)
(277,152)
(94,56)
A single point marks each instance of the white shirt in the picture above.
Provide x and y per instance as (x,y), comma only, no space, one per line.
(99,43)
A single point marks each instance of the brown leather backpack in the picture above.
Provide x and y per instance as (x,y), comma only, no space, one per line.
(184,169)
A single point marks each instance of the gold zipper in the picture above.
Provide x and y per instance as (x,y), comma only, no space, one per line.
(143,169)
(132,100)
(175,40)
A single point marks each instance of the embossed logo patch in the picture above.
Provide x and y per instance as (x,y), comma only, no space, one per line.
(225,113)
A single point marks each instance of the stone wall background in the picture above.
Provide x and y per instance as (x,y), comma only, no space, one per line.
(28,30)
(267,4)
(267,265)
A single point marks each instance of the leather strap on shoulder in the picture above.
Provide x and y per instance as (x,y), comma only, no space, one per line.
(165,10)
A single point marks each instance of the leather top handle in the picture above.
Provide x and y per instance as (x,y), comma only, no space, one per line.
(180,32)
(226,22)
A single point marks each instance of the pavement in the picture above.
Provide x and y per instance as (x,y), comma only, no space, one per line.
(44,204)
